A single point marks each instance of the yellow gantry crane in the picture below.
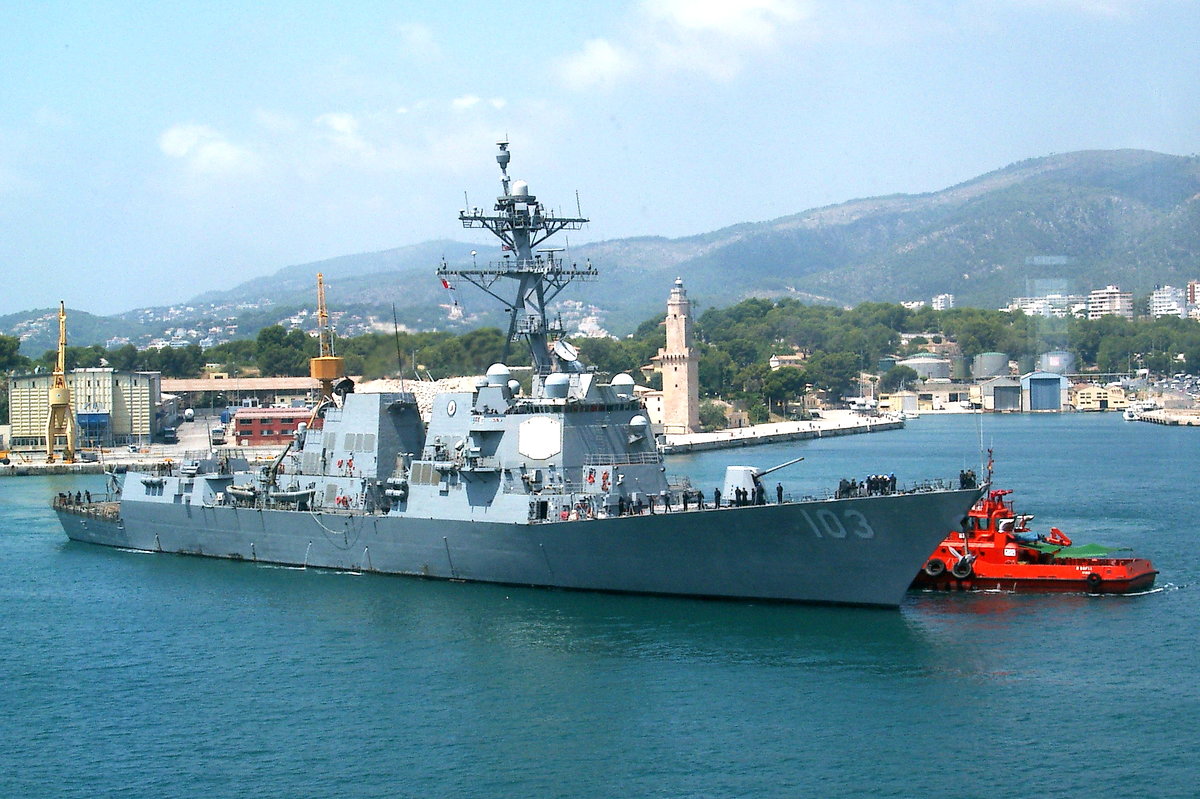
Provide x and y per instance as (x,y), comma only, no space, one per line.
(61,421)
(325,368)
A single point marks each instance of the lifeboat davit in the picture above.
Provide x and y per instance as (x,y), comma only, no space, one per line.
(998,551)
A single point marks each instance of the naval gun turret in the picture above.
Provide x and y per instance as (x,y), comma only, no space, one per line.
(749,479)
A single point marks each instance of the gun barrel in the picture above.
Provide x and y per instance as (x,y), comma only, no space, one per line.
(777,468)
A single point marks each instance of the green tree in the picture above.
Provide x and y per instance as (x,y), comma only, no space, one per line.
(281,353)
(836,372)
(11,358)
(712,416)
(782,386)
(898,378)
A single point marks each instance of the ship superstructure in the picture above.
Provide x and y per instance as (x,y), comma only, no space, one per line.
(561,485)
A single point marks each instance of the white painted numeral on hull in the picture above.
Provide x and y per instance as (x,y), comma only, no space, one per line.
(851,521)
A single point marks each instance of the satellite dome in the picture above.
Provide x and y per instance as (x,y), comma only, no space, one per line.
(623,385)
(520,189)
(514,387)
(557,385)
(497,374)
(639,421)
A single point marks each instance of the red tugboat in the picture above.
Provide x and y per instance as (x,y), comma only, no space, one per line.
(999,551)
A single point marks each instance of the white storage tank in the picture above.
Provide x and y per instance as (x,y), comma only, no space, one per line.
(928,366)
(989,364)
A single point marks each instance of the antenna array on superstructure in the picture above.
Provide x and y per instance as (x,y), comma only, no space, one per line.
(521,222)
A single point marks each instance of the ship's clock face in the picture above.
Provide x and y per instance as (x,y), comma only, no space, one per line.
(451,407)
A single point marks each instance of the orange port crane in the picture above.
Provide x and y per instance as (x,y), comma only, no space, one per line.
(61,421)
(326,367)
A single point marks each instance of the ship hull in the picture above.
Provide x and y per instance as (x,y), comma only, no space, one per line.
(859,551)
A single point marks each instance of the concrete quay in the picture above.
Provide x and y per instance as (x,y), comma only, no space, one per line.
(831,423)
(1185,417)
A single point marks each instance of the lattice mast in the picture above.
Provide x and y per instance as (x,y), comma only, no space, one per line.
(61,421)
(325,368)
(522,223)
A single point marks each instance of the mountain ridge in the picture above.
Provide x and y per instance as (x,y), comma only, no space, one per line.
(1118,216)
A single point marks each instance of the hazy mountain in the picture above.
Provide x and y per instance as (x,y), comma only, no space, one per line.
(1128,216)
(38,329)
(1076,220)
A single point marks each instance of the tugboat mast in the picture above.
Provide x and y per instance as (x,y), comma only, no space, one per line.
(521,223)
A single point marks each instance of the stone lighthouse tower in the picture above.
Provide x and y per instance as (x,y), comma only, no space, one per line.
(680,367)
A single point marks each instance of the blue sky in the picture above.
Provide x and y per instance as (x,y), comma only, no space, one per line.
(151,151)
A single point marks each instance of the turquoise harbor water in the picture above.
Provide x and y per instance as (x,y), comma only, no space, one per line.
(124,674)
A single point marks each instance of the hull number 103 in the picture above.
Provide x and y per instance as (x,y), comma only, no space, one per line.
(845,522)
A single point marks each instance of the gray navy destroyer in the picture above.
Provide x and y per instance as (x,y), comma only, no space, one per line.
(551,486)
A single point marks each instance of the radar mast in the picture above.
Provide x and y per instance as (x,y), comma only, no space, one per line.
(521,223)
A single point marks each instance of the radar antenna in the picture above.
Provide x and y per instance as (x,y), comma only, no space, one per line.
(521,222)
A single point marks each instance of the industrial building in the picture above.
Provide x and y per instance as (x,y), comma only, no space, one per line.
(258,426)
(1045,391)
(1091,397)
(1001,394)
(111,408)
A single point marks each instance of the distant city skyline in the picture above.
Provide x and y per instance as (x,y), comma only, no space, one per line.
(149,153)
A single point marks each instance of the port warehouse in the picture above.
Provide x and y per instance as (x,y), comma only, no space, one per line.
(132,408)
(1036,391)
(111,408)
(119,408)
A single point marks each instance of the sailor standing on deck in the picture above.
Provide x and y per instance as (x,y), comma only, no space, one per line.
(779,493)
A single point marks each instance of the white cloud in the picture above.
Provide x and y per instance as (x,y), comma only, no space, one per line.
(746,19)
(1099,8)
(343,131)
(709,37)
(205,150)
(275,121)
(469,101)
(417,40)
(599,64)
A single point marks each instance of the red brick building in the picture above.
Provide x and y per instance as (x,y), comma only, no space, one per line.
(255,426)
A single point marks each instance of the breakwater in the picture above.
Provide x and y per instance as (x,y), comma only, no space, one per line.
(831,423)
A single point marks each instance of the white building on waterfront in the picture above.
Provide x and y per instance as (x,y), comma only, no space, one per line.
(1110,301)
(1168,301)
(1049,305)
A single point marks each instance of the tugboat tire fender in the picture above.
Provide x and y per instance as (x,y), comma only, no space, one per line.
(1093,581)
(935,567)
(963,569)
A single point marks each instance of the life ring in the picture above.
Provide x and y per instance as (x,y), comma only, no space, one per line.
(935,567)
(1093,582)
(963,569)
